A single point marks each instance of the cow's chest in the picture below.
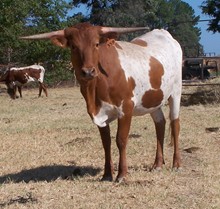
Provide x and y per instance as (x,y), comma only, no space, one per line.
(107,113)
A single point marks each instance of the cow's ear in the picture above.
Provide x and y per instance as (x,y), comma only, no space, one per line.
(105,37)
(59,41)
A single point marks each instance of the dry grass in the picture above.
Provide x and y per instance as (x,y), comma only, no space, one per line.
(51,157)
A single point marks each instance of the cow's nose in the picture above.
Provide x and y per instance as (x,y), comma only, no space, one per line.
(88,72)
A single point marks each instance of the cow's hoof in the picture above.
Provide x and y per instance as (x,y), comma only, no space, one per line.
(156,169)
(107,178)
(120,180)
(177,169)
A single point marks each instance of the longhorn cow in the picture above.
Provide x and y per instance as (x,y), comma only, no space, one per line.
(15,78)
(121,79)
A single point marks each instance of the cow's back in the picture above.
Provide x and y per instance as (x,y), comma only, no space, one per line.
(164,47)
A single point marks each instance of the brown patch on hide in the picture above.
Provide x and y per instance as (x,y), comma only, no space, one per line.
(156,72)
(154,96)
(139,42)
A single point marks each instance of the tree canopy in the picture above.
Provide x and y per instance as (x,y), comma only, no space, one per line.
(20,17)
(25,17)
(174,15)
(212,8)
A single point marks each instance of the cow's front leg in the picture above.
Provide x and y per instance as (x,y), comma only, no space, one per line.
(121,140)
(106,142)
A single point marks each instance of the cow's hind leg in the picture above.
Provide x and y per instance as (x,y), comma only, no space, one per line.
(14,94)
(19,90)
(43,87)
(159,122)
(175,130)
(106,142)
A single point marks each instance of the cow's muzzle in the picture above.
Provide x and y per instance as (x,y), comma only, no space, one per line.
(89,73)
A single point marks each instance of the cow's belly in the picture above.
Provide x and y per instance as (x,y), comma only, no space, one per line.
(140,110)
(14,83)
(109,112)
(28,80)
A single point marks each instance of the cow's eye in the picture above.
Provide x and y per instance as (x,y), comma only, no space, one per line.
(73,47)
(97,45)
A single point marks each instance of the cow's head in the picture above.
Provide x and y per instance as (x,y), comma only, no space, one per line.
(84,40)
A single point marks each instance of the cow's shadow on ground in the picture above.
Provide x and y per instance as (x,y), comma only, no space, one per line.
(50,173)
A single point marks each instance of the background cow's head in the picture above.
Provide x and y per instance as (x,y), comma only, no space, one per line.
(84,40)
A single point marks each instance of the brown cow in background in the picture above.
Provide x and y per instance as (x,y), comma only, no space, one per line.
(17,77)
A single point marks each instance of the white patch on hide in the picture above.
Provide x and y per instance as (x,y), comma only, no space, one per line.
(107,114)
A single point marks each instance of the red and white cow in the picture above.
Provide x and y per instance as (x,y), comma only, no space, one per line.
(123,79)
(17,77)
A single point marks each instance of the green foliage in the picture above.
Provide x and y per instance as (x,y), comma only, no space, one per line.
(212,8)
(56,72)
(182,25)
(22,17)
(26,17)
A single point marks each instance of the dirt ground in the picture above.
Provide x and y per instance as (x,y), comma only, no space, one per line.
(51,157)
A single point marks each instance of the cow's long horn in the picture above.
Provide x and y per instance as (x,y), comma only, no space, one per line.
(121,30)
(44,35)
